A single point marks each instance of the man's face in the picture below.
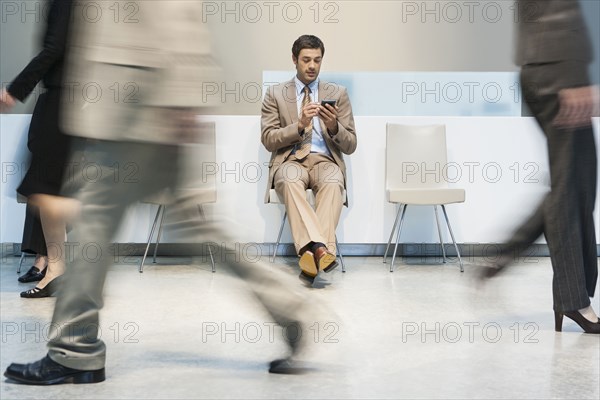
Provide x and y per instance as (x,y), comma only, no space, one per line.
(308,65)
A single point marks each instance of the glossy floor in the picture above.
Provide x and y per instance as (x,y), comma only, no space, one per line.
(178,331)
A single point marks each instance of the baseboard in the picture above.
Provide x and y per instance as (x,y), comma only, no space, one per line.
(467,250)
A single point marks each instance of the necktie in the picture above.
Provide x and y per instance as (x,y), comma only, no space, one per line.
(304,148)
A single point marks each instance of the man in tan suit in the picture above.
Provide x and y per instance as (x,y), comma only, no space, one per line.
(307,139)
(166,56)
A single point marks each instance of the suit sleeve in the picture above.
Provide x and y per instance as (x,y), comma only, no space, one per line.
(52,52)
(273,135)
(345,139)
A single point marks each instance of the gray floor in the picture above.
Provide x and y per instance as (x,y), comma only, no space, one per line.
(177,331)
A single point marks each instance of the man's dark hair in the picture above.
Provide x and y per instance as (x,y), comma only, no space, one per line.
(307,42)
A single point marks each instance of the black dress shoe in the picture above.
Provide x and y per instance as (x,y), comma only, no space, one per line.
(48,372)
(47,291)
(33,275)
(296,342)
(287,366)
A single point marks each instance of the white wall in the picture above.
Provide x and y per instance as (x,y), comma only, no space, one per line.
(490,145)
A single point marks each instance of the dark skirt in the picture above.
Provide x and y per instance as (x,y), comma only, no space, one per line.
(49,148)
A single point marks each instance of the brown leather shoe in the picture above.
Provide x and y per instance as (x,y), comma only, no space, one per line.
(307,264)
(325,260)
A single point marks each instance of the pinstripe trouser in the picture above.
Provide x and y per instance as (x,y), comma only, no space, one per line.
(565,215)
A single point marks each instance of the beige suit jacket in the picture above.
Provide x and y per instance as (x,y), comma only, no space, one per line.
(279,125)
(126,71)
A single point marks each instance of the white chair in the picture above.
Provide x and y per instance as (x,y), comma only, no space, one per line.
(415,160)
(203,186)
(310,197)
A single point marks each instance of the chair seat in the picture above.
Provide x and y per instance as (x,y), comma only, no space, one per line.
(202,196)
(310,197)
(431,196)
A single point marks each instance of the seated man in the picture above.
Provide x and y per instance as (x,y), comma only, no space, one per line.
(307,139)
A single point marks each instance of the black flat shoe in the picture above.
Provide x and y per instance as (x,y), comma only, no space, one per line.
(585,324)
(48,372)
(33,275)
(48,291)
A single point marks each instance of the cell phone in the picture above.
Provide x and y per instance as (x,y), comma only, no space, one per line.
(330,102)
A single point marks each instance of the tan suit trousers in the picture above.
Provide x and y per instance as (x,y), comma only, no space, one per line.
(320,173)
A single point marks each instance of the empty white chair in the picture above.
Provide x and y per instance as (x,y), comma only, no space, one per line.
(203,186)
(416,162)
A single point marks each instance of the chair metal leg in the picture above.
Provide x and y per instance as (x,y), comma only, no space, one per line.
(398,238)
(160,226)
(212,259)
(279,236)
(392,234)
(339,253)
(437,220)
(141,269)
(21,262)
(453,240)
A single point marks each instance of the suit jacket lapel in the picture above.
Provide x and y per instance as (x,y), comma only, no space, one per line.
(289,96)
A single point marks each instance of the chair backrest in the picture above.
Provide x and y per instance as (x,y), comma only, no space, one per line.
(415,157)
(200,167)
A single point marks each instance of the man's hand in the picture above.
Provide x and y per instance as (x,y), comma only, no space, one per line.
(577,107)
(6,101)
(306,115)
(329,115)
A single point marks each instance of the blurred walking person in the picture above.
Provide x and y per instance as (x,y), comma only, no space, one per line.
(554,51)
(166,55)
